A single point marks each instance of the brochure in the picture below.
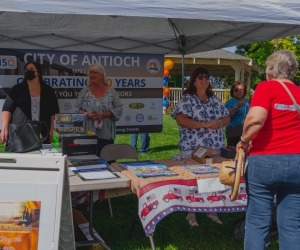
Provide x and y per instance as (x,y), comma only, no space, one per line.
(96,175)
(147,169)
(202,169)
(86,165)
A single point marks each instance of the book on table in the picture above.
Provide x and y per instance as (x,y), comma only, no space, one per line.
(201,169)
(91,169)
(147,168)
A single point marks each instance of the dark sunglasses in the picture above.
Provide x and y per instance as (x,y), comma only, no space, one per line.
(203,76)
(238,90)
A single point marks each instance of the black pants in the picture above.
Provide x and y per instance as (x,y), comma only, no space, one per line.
(233,141)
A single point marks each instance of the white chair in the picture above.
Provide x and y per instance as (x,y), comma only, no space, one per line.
(114,152)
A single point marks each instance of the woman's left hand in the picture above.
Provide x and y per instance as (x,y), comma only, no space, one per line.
(214,124)
(244,145)
(98,116)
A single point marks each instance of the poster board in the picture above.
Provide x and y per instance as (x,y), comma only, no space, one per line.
(35,204)
(137,79)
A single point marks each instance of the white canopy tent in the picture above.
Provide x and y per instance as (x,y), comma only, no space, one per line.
(135,26)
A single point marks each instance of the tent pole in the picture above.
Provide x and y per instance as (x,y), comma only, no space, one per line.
(182,72)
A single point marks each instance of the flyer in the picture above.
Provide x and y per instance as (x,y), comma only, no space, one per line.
(19,225)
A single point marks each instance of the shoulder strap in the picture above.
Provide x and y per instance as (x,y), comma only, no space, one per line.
(290,94)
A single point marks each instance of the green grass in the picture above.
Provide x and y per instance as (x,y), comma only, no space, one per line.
(173,232)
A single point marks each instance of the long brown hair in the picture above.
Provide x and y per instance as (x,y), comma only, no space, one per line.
(191,89)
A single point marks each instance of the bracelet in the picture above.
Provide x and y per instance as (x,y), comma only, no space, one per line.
(236,107)
(242,140)
(202,124)
(221,125)
(85,113)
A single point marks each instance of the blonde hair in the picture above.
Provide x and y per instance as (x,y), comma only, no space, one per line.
(100,69)
(282,64)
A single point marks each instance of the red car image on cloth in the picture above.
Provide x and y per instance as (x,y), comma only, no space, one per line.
(147,208)
(192,198)
(239,197)
(216,197)
(172,196)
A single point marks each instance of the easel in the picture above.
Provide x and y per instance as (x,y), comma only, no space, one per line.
(44,178)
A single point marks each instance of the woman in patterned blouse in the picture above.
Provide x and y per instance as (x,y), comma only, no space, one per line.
(101,105)
(201,117)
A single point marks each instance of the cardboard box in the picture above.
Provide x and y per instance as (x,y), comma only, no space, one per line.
(81,234)
(228,153)
(203,154)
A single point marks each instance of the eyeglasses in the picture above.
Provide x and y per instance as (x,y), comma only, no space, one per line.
(238,90)
(203,76)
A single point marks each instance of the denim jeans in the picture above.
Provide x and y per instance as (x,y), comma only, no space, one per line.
(145,142)
(266,176)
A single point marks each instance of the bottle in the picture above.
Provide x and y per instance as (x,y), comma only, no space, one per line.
(25,215)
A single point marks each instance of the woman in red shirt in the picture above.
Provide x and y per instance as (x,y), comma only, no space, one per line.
(273,126)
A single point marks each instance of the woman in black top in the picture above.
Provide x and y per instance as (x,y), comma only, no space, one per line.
(30,100)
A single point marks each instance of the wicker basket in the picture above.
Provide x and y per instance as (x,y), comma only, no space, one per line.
(230,173)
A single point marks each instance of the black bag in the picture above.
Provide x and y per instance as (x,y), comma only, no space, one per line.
(25,136)
(234,131)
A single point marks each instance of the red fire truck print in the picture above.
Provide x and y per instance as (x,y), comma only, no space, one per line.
(151,204)
(216,197)
(241,195)
(173,195)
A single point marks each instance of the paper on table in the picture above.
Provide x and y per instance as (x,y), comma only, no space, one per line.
(97,175)
(88,168)
(210,185)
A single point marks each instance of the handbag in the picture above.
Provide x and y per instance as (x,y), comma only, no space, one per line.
(231,172)
(25,136)
(234,131)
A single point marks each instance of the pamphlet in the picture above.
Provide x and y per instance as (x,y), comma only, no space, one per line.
(147,169)
(19,224)
(201,169)
(96,175)
(83,165)
(90,169)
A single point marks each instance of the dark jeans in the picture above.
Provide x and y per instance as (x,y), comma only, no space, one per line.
(145,142)
(267,175)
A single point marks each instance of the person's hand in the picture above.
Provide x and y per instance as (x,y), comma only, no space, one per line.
(241,103)
(99,116)
(50,136)
(244,145)
(92,115)
(4,135)
(213,124)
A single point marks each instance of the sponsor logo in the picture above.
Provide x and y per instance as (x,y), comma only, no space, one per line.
(152,106)
(153,66)
(8,62)
(127,118)
(152,117)
(139,118)
(136,105)
(67,106)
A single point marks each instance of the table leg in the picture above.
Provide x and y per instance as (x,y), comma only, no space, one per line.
(152,242)
(91,231)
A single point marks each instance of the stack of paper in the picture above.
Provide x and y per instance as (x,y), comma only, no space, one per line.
(90,169)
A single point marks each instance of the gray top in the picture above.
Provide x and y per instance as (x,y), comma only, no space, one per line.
(109,102)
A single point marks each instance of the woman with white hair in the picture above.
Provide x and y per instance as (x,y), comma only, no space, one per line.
(273,126)
(101,105)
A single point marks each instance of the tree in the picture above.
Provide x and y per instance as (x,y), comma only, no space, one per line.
(260,51)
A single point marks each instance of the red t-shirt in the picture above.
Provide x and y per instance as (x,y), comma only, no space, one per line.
(281,132)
